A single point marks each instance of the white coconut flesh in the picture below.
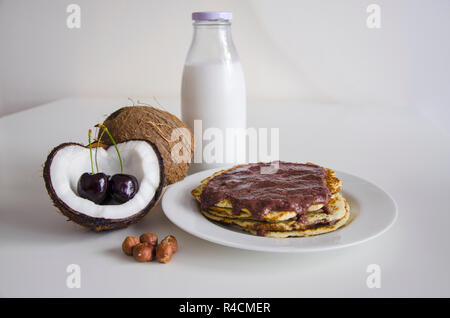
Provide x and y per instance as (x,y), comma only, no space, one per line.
(139,160)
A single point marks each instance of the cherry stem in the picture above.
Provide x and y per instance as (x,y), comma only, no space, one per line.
(90,151)
(105,129)
(99,137)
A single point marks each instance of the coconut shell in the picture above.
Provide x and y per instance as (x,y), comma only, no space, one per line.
(155,125)
(98,224)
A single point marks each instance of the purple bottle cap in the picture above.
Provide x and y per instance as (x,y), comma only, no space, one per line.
(212,15)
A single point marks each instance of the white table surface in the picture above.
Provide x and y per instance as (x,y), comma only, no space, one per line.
(393,147)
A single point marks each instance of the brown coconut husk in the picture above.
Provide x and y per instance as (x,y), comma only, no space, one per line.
(155,125)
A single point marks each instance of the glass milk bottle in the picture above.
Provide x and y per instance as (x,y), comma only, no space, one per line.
(213,97)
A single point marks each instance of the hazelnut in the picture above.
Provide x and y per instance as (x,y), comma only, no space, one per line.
(164,252)
(143,252)
(172,241)
(128,244)
(150,238)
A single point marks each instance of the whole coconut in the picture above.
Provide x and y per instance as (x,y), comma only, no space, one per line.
(161,128)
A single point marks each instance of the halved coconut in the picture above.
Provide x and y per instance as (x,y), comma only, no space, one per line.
(67,162)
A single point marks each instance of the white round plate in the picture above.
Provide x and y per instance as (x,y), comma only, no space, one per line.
(372,210)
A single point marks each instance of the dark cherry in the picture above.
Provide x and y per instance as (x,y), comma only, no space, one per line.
(93,187)
(123,187)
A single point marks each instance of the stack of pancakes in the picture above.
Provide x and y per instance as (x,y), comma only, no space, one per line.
(316,219)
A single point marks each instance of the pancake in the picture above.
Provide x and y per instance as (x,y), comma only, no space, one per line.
(274,217)
(302,233)
(337,209)
(224,208)
(312,218)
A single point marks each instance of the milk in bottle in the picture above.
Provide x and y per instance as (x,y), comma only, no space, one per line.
(213,93)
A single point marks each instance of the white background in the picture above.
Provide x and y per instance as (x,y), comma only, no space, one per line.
(303,50)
